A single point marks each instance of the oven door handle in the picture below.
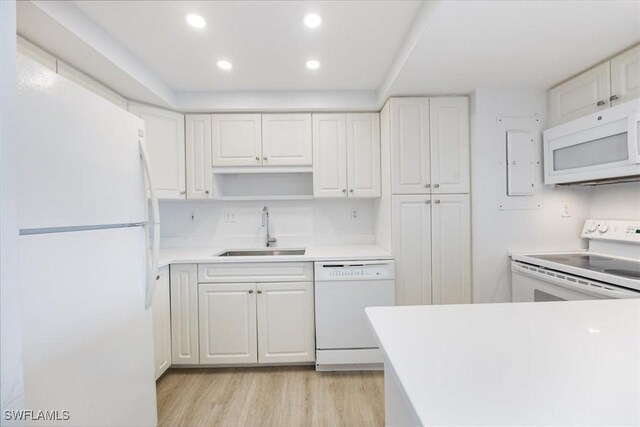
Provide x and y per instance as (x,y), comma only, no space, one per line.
(588,288)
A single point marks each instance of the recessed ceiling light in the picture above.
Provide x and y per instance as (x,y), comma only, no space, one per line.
(312,20)
(312,64)
(224,65)
(196,21)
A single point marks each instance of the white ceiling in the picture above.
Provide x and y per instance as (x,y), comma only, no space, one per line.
(266,42)
(368,50)
(502,44)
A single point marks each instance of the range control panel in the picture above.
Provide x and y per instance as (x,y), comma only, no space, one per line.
(621,231)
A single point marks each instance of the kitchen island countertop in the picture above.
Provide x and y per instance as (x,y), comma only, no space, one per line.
(563,363)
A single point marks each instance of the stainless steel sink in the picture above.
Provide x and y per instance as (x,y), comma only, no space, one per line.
(264,252)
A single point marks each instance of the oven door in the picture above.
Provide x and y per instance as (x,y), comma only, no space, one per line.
(533,284)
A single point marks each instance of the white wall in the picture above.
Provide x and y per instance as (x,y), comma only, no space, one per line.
(293,223)
(12,387)
(616,201)
(496,233)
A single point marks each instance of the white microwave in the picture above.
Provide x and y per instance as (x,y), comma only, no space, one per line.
(601,147)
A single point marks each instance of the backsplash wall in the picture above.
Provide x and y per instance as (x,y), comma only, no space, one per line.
(616,201)
(239,224)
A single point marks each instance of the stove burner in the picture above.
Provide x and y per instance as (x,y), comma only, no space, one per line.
(631,274)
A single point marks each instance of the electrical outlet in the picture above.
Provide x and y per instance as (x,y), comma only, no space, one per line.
(564,209)
(354,213)
(229,217)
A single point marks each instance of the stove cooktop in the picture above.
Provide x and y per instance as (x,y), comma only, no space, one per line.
(602,264)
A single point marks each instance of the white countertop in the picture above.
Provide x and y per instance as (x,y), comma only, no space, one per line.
(525,363)
(317,253)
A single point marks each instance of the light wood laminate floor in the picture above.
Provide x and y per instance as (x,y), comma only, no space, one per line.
(270,396)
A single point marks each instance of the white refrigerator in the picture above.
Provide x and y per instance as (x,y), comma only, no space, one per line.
(88,254)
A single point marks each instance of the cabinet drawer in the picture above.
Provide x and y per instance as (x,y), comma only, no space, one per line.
(255,272)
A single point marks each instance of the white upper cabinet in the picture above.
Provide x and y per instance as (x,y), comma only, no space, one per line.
(412,248)
(329,155)
(582,95)
(286,326)
(164,136)
(198,146)
(625,76)
(449,130)
(286,140)
(346,155)
(363,154)
(161,313)
(451,250)
(228,323)
(236,139)
(410,153)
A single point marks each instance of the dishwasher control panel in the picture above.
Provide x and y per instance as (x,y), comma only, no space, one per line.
(355,270)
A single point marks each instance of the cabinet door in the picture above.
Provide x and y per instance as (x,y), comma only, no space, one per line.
(286,139)
(412,248)
(286,330)
(236,140)
(184,314)
(161,313)
(451,249)
(164,136)
(198,142)
(625,76)
(329,155)
(582,95)
(227,323)
(410,155)
(363,154)
(449,130)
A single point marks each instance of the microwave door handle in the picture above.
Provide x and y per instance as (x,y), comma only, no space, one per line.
(152,226)
(634,137)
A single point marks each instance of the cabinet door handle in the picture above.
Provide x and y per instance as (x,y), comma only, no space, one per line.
(600,103)
(437,202)
(351,190)
(259,291)
(428,202)
(250,291)
(427,186)
(206,191)
(183,192)
(344,190)
(264,158)
(613,97)
(436,185)
(257,158)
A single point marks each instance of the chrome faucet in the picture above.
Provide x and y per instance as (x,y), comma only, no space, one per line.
(270,241)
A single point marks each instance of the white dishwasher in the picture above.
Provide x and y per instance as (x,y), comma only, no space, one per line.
(344,340)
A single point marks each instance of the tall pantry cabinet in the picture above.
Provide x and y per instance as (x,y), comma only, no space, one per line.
(425,143)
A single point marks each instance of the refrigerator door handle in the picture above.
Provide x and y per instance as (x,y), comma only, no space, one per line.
(152,225)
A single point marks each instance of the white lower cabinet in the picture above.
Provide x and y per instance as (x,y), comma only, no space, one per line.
(431,240)
(161,314)
(286,330)
(247,323)
(227,323)
(450,249)
(184,314)
(412,248)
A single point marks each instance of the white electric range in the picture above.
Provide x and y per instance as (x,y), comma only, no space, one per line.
(610,268)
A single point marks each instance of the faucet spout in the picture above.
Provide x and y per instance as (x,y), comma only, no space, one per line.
(269,241)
